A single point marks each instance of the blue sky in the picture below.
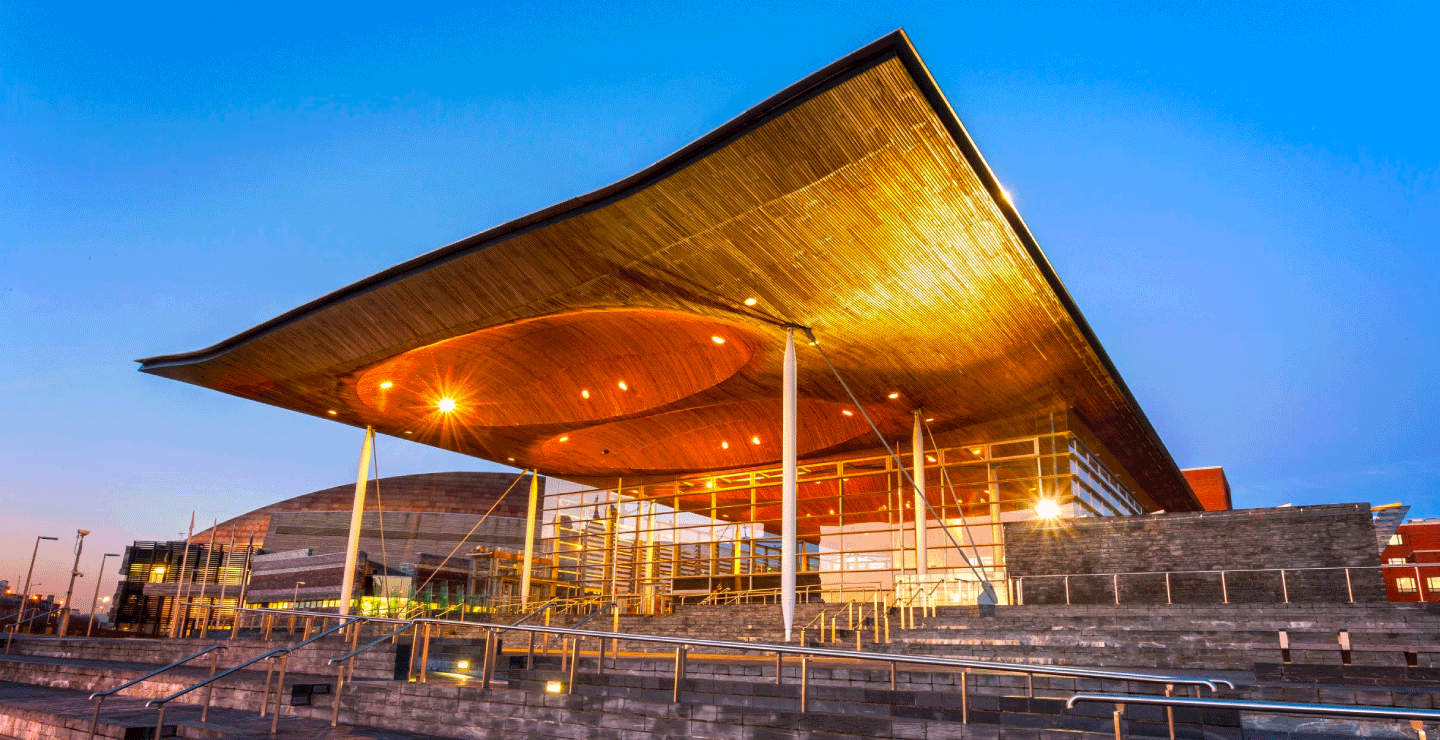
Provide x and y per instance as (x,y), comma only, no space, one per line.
(1242,200)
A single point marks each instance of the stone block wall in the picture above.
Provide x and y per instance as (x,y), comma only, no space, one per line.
(1247,544)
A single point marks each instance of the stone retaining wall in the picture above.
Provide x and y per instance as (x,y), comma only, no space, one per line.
(1298,537)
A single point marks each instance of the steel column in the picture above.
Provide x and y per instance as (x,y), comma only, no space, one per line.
(357,513)
(527,567)
(787,488)
(922,547)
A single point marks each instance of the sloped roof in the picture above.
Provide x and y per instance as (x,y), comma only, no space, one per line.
(853,202)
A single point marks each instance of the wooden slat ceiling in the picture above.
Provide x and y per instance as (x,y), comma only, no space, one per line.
(853,203)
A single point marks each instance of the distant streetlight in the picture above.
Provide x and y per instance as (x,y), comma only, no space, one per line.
(25,595)
(70,590)
(295,605)
(95,602)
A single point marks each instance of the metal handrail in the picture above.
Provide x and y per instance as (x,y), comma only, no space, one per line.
(542,608)
(936,661)
(594,614)
(1416,716)
(1018,582)
(14,627)
(282,653)
(157,671)
(370,644)
(271,654)
(99,696)
(1260,706)
(1382,566)
(687,642)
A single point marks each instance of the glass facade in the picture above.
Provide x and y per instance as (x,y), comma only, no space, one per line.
(717,536)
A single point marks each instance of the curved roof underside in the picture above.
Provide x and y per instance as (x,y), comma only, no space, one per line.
(853,202)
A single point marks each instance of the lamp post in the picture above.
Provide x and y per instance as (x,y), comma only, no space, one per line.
(295,605)
(94,602)
(70,590)
(25,597)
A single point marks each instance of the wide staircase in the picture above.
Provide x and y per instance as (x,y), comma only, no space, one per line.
(551,688)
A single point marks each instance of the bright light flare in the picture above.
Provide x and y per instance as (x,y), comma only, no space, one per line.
(894,395)
(718,340)
(446,405)
(554,687)
(1047,509)
(387,384)
(750,301)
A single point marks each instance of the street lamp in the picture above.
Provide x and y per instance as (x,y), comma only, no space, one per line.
(94,602)
(295,605)
(25,596)
(70,590)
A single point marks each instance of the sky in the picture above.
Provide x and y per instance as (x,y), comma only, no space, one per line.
(1243,201)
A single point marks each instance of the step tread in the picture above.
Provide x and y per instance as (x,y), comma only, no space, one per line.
(233,724)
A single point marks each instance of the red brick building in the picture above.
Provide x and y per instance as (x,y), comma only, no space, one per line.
(1412,559)
(1211,487)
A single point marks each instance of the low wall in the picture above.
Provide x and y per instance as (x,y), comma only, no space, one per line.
(1144,548)
(375,663)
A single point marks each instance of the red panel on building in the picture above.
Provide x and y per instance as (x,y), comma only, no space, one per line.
(1412,562)
(1211,487)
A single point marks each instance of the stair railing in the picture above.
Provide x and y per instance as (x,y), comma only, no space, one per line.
(820,618)
(1417,717)
(683,645)
(99,696)
(282,653)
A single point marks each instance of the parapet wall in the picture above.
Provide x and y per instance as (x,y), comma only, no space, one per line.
(1251,545)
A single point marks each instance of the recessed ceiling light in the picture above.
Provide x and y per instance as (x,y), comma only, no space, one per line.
(718,340)
(931,458)
(724,445)
(832,511)
(754,440)
(386,384)
(332,412)
(623,387)
(750,301)
(847,412)
(409,432)
(931,419)
(564,439)
(584,394)
(895,394)
(511,459)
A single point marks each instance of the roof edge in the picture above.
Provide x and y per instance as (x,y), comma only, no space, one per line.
(892,44)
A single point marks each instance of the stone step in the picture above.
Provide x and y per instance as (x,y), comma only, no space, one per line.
(32,712)
(860,708)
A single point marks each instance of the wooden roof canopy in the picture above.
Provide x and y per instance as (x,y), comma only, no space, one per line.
(853,202)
